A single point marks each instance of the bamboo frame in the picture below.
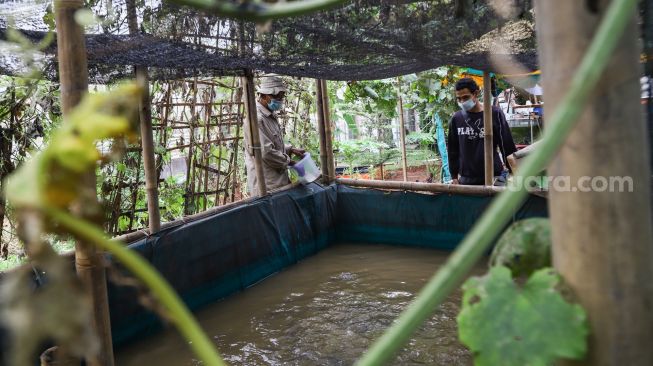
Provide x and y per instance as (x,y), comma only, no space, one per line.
(227,116)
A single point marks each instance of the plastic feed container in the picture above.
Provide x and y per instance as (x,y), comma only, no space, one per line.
(306,169)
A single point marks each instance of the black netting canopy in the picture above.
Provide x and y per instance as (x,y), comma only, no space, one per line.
(362,39)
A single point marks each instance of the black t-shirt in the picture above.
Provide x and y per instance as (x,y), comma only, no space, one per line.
(465,143)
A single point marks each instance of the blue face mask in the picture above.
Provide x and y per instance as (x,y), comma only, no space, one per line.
(275,105)
(467,105)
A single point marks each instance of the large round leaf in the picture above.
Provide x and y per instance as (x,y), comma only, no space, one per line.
(503,324)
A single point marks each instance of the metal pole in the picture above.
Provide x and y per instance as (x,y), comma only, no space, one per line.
(487,127)
(601,235)
(403,130)
(73,80)
(252,128)
(324,163)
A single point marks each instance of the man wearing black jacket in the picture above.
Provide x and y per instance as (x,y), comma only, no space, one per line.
(465,143)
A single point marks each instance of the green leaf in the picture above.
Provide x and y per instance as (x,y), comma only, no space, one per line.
(524,247)
(121,167)
(23,187)
(532,326)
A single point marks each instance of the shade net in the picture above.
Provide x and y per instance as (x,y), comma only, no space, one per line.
(362,39)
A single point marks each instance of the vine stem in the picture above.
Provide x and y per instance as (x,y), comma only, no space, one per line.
(498,214)
(179,314)
(260,11)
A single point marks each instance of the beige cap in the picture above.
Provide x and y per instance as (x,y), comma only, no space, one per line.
(271,85)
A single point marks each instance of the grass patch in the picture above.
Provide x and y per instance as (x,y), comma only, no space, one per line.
(12,261)
(15,260)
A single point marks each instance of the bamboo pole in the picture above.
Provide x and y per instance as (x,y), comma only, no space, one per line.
(487,127)
(216,201)
(252,128)
(402,131)
(324,164)
(147,141)
(190,176)
(239,94)
(147,138)
(73,80)
(6,166)
(328,134)
(163,136)
(423,187)
(231,156)
(134,192)
(601,239)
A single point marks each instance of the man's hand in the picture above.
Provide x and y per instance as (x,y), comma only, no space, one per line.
(298,152)
(512,161)
(455,181)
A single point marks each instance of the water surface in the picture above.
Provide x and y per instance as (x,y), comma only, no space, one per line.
(325,310)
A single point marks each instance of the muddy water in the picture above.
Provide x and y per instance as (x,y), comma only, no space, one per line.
(325,310)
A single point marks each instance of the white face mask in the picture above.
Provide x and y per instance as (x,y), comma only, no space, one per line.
(467,105)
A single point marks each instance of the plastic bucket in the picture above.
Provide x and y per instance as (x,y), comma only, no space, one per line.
(306,169)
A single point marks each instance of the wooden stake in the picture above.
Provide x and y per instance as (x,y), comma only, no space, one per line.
(324,162)
(73,79)
(402,131)
(487,127)
(602,240)
(252,127)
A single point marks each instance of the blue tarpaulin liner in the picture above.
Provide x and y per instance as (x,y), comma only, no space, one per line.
(209,259)
(442,148)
